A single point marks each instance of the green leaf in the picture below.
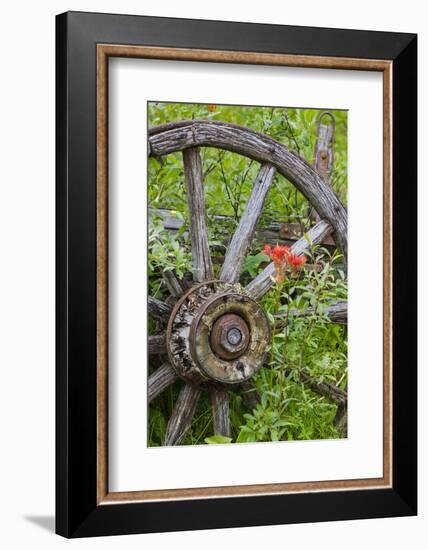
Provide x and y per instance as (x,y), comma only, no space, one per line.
(252,263)
(246,437)
(218,439)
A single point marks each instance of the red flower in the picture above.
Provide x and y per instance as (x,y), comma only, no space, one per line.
(281,256)
(296,262)
(277,253)
(267,250)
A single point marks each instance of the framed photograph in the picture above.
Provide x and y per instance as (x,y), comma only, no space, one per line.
(236,281)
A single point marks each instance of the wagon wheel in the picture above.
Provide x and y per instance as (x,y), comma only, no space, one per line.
(217,334)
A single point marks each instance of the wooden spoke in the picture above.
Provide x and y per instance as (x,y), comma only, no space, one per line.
(201,257)
(338,313)
(173,283)
(182,414)
(250,395)
(244,233)
(159,309)
(157,344)
(177,136)
(163,377)
(263,282)
(326,389)
(220,408)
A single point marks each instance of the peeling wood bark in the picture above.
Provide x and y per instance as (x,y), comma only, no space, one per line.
(264,281)
(338,313)
(160,310)
(201,256)
(163,377)
(157,344)
(188,134)
(182,414)
(220,408)
(244,233)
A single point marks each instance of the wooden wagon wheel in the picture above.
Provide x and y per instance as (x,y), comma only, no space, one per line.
(217,334)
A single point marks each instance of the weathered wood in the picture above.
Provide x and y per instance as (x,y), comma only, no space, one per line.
(201,257)
(289,231)
(238,139)
(323,158)
(272,233)
(250,395)
(170,221)
(173,284)
(323,153)
(264,281)
(325,389)
(338,313)
(158,309)
(182,414)
(157,344)
(163,377)
(244,233)
(341,420)
(220,408)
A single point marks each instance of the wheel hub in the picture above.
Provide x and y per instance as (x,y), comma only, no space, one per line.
(216,332)
(230,336)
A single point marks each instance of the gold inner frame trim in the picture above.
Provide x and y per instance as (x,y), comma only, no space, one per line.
(104,51)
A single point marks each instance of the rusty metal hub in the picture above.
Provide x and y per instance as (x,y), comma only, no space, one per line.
(217,333)
(230,336)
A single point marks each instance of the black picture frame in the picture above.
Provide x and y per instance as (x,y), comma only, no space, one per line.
(77,511)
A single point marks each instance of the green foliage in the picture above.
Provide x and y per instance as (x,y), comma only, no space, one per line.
(308,341)
(252,263)
(218,440)
(166,251)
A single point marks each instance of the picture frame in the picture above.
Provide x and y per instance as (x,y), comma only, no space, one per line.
(84,44)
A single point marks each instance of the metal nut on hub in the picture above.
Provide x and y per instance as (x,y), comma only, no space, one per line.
(229,336)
